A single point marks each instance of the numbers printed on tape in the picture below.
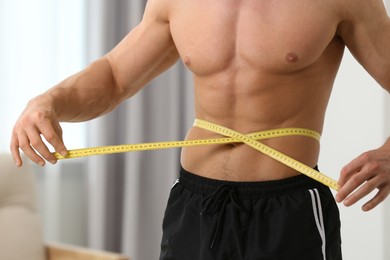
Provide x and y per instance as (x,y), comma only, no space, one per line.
(285,159)
(251,139)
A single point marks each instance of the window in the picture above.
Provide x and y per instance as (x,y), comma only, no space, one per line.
(42,42)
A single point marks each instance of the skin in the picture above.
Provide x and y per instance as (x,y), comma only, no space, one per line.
(256,65)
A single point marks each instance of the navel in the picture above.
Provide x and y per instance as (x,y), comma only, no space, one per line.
(292,57)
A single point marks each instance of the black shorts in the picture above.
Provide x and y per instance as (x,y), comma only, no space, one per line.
(290,219)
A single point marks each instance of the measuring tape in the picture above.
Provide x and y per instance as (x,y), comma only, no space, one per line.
(251,139)
(269,151)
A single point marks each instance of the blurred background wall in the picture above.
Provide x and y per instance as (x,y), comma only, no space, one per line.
(116,202)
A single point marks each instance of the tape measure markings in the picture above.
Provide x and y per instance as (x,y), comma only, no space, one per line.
(269,151)
(261,135)
(233,137)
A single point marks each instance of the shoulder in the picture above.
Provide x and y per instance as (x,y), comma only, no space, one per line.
(357,17)
(358,11)
(158,10)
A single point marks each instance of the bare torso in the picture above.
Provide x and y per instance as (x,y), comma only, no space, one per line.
(257,65)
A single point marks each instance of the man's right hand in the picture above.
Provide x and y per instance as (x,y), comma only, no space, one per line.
(37,120)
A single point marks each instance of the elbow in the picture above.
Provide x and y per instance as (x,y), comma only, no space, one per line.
(115,81)
(123,87)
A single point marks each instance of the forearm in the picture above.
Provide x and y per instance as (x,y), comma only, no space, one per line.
(83,96)
(146,51)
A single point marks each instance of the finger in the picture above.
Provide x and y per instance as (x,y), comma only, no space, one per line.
(14,147)
(378,198)
(29,151)
(352,184)
(37,143)
(53,134)
(352,168)
(361,192)
(58,129)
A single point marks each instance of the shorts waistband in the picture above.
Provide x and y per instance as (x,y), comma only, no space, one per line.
(249,190)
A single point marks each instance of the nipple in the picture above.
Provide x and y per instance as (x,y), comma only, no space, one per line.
(187,61)
(292,57)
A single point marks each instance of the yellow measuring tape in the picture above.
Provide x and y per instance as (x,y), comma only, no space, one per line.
(232,137)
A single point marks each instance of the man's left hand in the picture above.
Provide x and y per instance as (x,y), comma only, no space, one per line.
(368,172)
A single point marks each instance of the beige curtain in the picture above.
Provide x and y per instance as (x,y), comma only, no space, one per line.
(128,192)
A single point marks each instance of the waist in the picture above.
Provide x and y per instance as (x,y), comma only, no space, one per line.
(239,162)
(248,189)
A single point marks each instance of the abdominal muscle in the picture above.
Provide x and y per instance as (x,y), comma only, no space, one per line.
(239,162)
(251,109)
(249,97)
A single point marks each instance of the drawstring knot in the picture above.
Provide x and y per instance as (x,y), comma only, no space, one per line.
(217,201)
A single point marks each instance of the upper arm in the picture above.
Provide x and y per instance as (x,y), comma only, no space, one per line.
(365,29)
(146,51)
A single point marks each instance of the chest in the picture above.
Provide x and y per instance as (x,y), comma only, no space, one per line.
(279,34)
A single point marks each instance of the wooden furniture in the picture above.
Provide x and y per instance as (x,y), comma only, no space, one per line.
(66,252)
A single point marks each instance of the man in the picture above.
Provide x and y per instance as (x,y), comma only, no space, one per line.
(257,65)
